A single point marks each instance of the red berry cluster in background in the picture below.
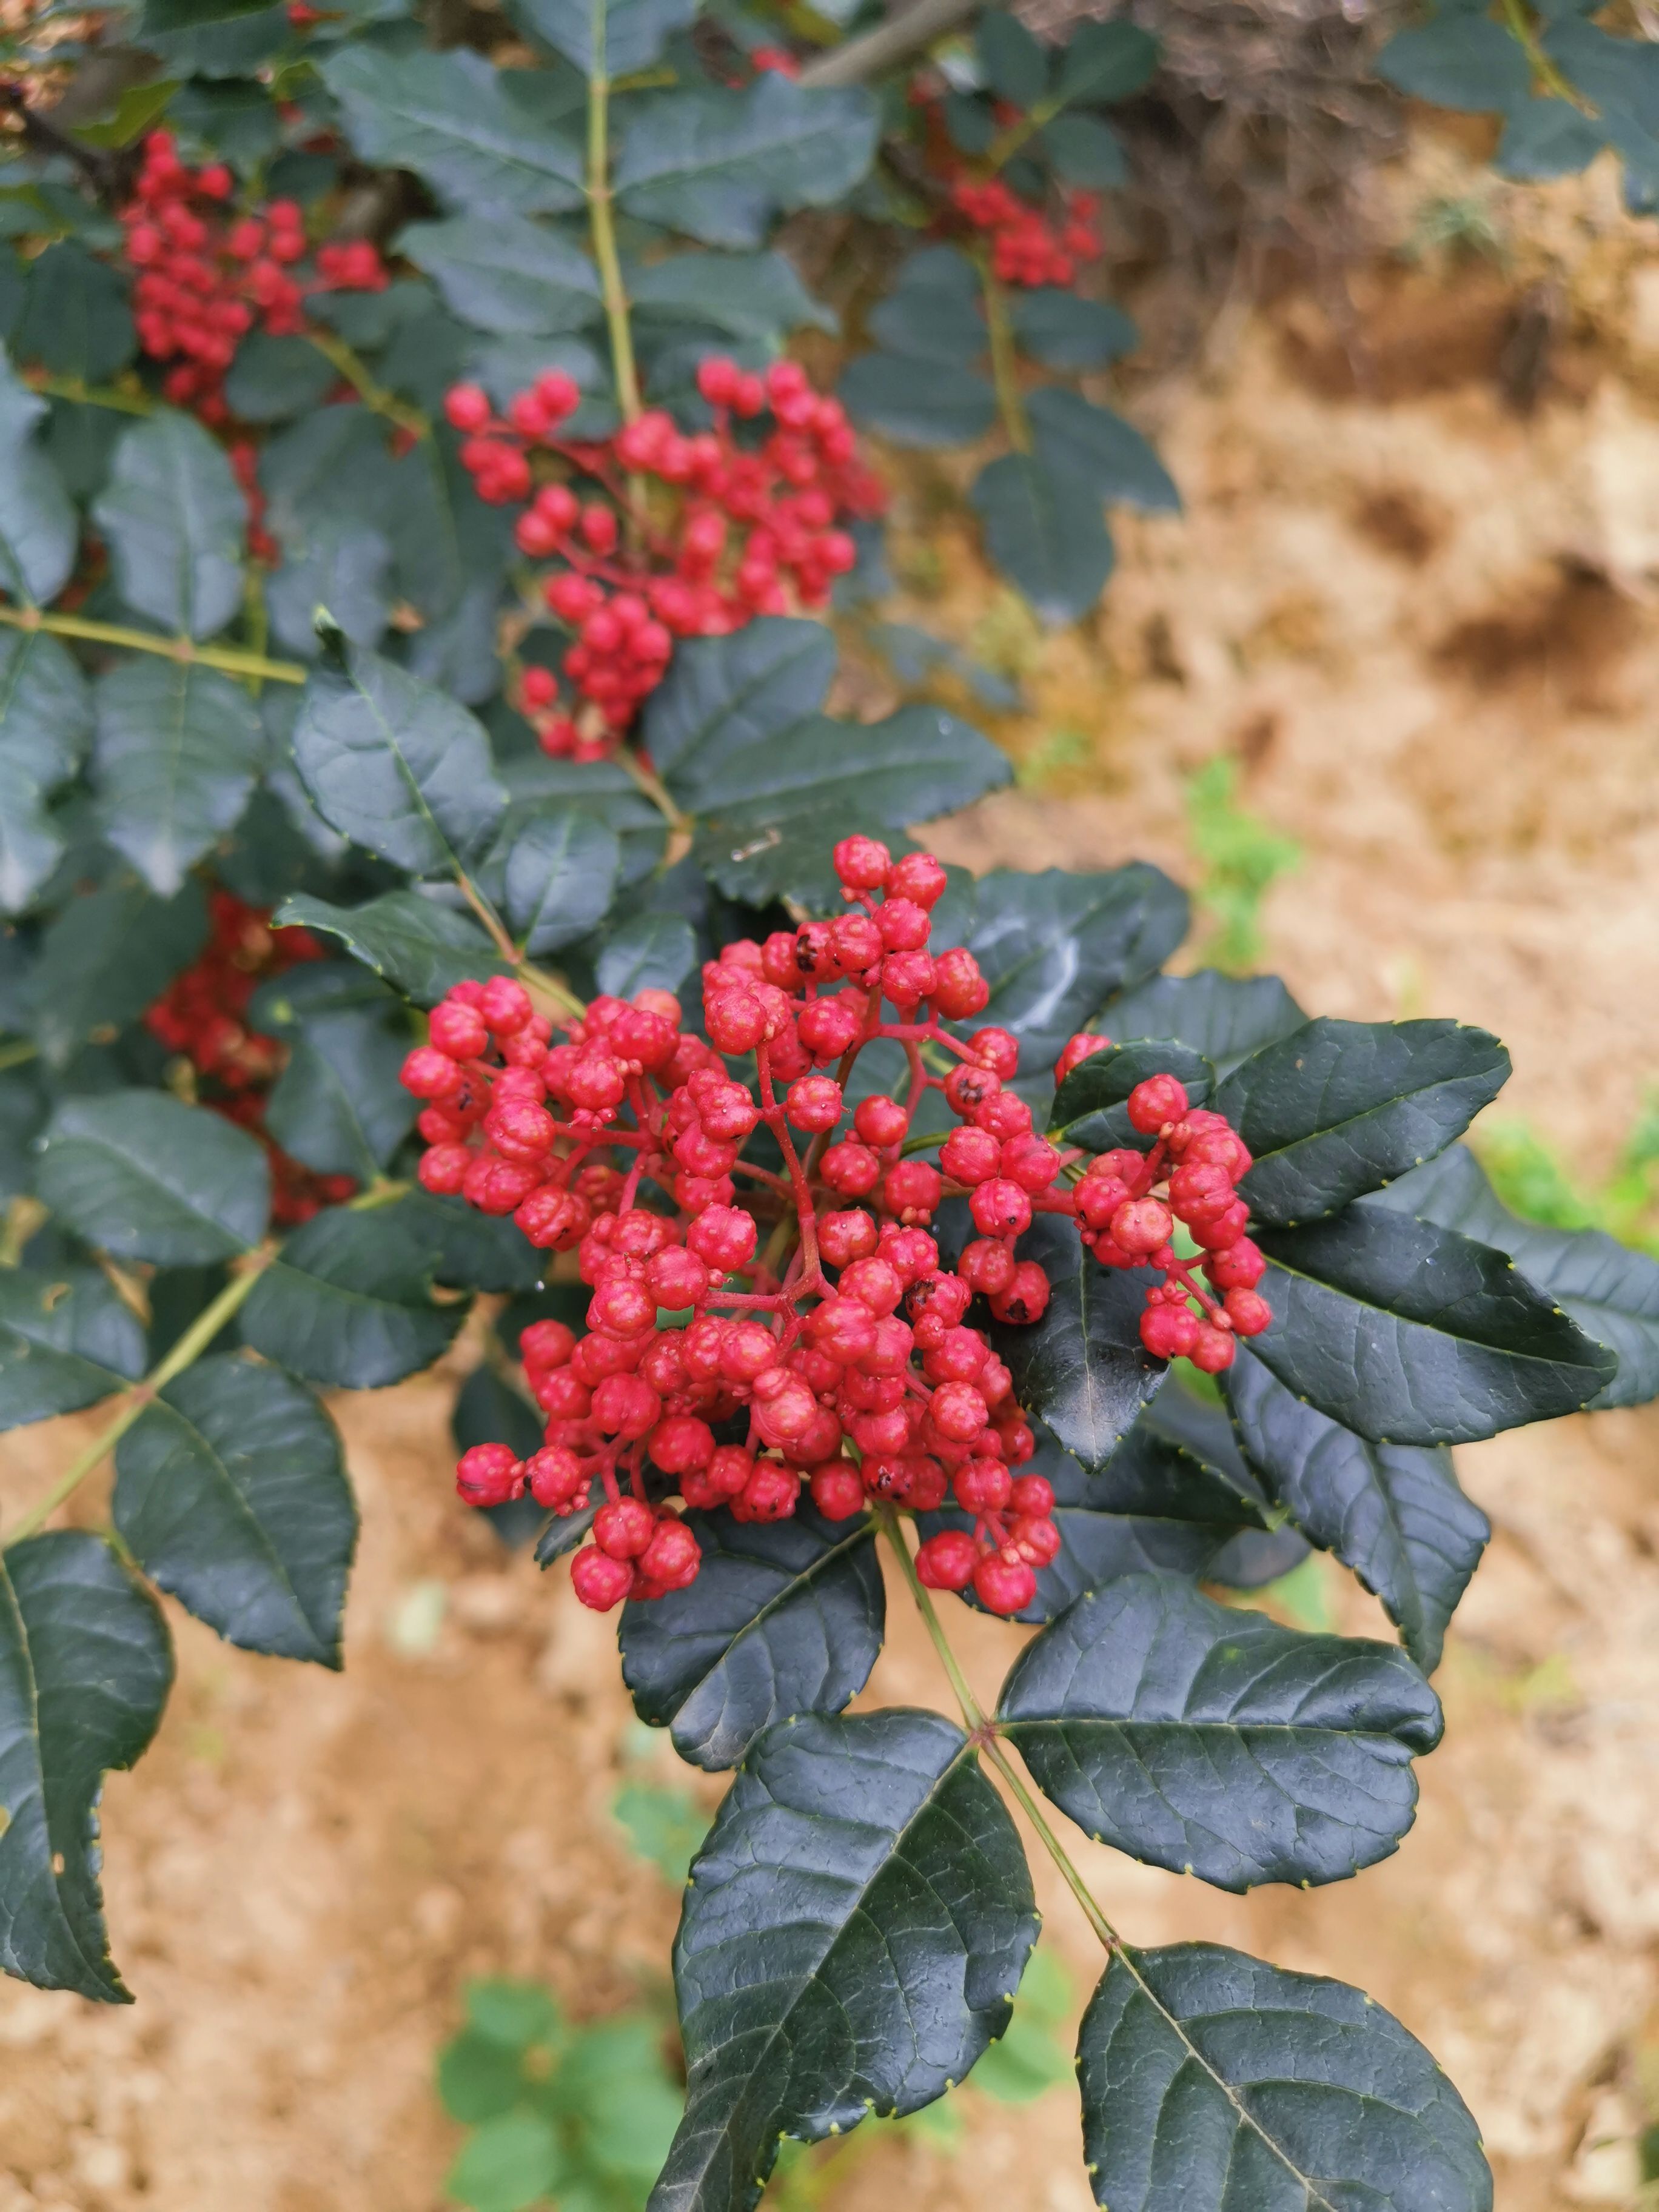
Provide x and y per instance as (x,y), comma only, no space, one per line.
(209,276)
(202,1016)
(843,1338)
(1026,248)
(662,534)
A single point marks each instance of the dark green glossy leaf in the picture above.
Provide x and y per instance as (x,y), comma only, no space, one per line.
(933,313)
(23,1109)
(421,948)
(146,1178)
(1226,1018)
(474,1251)
(1212,2082)
(1011,60)
(1083,150)
(85,1669)
(653,951)
(1412,1334)
(176,748)
(912,403)
(1459,60)
(562,1534)
(748,295)
(1611,1293)
(730,694)
(66,1340)
(1106,62)
(718,166)
(218,39)
(612,38)
(394,765)
(46,719)
(1215,1743)
(342,567)
(273,379)
(477,137)
(1185,1444)
(1392,1512)
(1619,77)
(504,273)
(558,869)
(855,1927)
(1545,138)
(1043,530)
(38,529)
(1082,1370)
(1055,945)
(1088,445)
(1090,1107)
(106,956)
(231,1494)
(176,521)
(75,320)
(338,1106)
(1338,1108)
(784,1618)
(1064,332)
(348,1301)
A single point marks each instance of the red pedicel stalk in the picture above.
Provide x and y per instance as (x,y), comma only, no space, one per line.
(845,1340)
(202,1015)
(660,534)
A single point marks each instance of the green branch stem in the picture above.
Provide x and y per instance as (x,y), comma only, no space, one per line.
(89,395)
(189,1348)
(602,227)
(984,1732)
(232,661)
(1004,359)
(536,980)
(1520,26)
(17,1052)
(336,351)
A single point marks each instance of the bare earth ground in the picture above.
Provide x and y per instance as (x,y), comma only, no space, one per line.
(1425,623)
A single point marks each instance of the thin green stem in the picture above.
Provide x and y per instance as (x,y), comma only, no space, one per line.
(603,228)
(19,1050)
(184,649)
(648,781)
(983,1732)
(189,1348)
(374,396)
(384,1190)
(1520,26)
(92,395)
(535,980)
(1004,359)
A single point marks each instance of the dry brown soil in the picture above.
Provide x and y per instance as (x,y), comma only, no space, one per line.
(1425,623)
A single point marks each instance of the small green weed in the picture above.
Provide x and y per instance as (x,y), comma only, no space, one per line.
(1242,856)
(1531,1181)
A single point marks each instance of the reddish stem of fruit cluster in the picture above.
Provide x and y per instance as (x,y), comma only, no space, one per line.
(208,275)
(853,1372)
(202,1016)
(662,535)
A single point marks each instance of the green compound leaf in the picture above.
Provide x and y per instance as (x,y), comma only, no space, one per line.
(1215,1743)
(933,311)
(722,696)
(784,1618)
(1226,1018)
(1043,530)
(747,296)
(1105,62)
(396,765)
(348,1300)
(853,1932)
(1212,2082)
(338,1106)
(1011,61)
(1338,1108)
(558,869)
(503,273)
(484,144)
(1463,60)
(75,320)
(718,166)
(231,1494)
(66,1340)
(39,533)
(1082,150)
(46,719)
(1091,1107)
(1394,1513)
(177,750)
(1063,331)
(176,521)
(941,403)
(1054,946)
(606,37)
(1082,1370)
(1412,1334)
(106,956)
(419,947)
(1087,445)
(654,952)
(144,1177)
(1611,1293)
(85,1669)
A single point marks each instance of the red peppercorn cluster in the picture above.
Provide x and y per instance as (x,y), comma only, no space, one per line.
(207,276)
(838,1357)
(1026,248)
(660,534)
(1197,1160)
(203,1015)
